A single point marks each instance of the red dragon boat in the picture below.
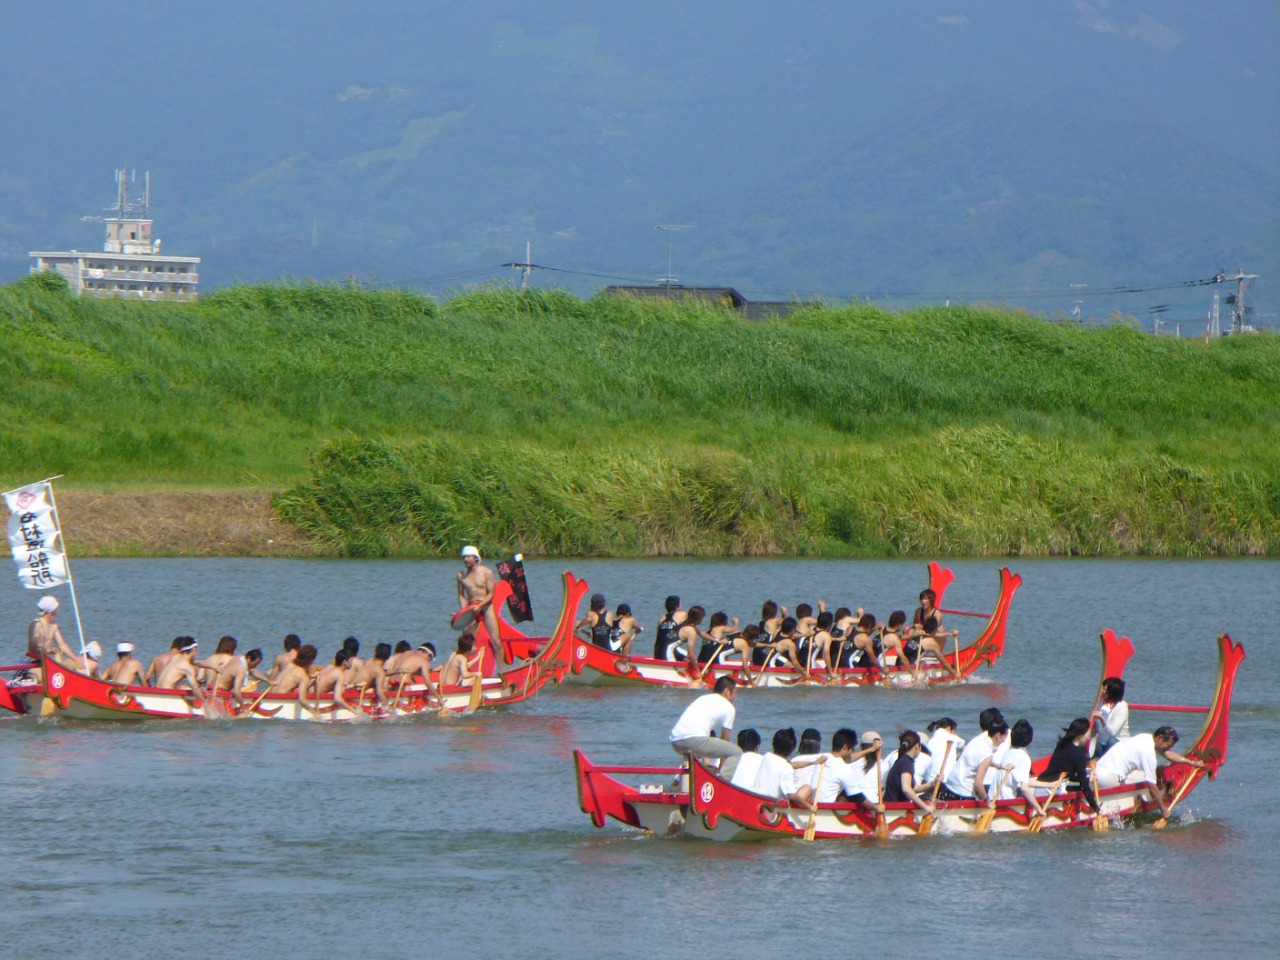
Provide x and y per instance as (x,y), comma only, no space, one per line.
(597,666)
(717,810)
(71,694)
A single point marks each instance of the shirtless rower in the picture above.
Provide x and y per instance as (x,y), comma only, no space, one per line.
(295,676)
(249,682)
(332,680)
(463,664)
(418,663)
(374,674)
(182,667)
(476,585)
(352,645)
(234,671)
(393,662)
(90,657)
(127,670)
(222,656)
(161,660)
(291,644)
(44,637)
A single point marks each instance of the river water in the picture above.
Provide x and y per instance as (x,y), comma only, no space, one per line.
(426,838)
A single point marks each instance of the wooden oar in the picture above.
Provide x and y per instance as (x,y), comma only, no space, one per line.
(254,705)
(1037,821)
(882,828)
(1186,785)
(984,821)
(1101,823)
(926,822)
(477,694)
(811,827)
(395,704)
(702,674)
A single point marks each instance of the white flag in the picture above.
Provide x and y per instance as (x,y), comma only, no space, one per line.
(34,537)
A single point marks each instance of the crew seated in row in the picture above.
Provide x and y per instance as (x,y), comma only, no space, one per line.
(615,632)
(805,642)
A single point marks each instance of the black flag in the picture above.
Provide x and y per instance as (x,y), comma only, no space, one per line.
(518,603)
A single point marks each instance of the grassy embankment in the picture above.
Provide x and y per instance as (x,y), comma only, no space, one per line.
(396,425)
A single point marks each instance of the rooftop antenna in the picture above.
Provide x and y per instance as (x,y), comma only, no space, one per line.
(671,229)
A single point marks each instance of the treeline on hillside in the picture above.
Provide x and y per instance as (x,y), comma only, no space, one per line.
(401,425)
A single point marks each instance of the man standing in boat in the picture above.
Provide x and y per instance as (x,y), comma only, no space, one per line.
(475,589)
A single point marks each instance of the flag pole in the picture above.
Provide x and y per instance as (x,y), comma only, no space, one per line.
(75,606)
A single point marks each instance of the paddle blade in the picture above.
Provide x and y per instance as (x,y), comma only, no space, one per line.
(1036,823)
(984,821)
(1101,824)
(477,694)
(811,829)
(926,824)
(882,828)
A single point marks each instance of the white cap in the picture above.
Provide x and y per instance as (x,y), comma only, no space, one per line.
(93,649)
(124,648)
(470,551)
(47,604)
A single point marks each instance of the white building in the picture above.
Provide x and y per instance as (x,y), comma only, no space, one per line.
(130,264)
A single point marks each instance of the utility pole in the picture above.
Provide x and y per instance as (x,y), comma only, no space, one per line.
(526,268)
(670,229)
(1077,306)
(1239,322)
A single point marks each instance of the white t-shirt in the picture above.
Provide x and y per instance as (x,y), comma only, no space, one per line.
(839,776)
(1129,756)
(703,717)
(960,779)
(1018,762)
(932,766)
(776,778)
(808,775)
(748,766)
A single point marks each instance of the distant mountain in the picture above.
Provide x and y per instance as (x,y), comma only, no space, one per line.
(966,145)
(978,195)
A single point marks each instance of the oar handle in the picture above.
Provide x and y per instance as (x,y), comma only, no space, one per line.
(937,784)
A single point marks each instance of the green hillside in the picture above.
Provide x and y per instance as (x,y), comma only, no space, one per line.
(399,425)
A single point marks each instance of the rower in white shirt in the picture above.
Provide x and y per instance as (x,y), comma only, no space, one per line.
(941,731)
(776,778)
(749,762)
(1012,773)
(842,778)
(1134,760)
(964,782)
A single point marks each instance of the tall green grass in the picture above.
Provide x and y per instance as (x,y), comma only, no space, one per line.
(402,425)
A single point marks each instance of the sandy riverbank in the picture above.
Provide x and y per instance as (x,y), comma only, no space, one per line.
(202,523)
